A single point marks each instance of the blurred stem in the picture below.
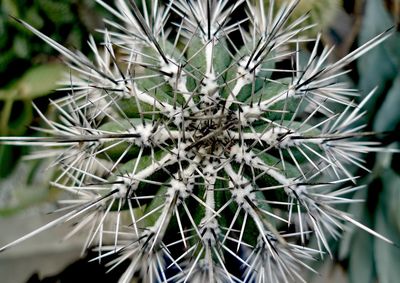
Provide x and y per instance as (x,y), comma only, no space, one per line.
(3,95)
(358,17)
(5,115)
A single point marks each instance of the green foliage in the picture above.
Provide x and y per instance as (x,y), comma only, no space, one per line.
(381,65)
(16,113)
(320,12)
(22,81)
(370,260)
(26,186)
(387,117)
(387,259)
(29,69)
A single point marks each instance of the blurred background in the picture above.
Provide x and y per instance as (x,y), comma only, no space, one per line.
(29,71)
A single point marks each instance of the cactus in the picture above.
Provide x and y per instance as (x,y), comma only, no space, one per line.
(186,146)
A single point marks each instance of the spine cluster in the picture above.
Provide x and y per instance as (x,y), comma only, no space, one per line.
(200,147)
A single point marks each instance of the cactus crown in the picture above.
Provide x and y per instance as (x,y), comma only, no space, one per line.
(188,145)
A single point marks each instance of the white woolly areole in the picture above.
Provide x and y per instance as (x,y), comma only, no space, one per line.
(240,194)
(184,189)
(209,228)
(177,77)
(250,114)
(177,116)
(180,150)
(209,88)
(123,185)
(209,168)
(244,68)
(147,135)
(281,137)
(240,155)
(296,191)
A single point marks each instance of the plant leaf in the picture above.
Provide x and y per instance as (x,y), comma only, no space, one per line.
(373,72)
(387,257)
(38,81)
(388,115)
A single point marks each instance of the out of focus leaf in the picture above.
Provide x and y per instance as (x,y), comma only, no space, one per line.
(26,186)
(361,253)
(387,257)
(21,47)
(10,7)
(33,18)
(5,59)
(35,83)
(388,115)
(361,258)
(391,199)
(18,125)
(57,11)
(357,211)
(6,160)
(39,81)
(380,65)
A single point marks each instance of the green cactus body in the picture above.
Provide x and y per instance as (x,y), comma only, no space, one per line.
(212,151)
